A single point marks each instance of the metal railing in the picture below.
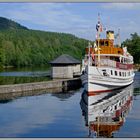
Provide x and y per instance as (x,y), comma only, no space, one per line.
(107,62)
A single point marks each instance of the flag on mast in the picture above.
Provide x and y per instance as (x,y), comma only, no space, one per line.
(99,27)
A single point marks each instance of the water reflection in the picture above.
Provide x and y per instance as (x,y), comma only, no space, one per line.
(24,75)
(63,96)
(56,92)
(18,80)
(105,113)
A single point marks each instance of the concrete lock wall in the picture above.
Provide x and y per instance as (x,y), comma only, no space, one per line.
(69,83)
(29,86)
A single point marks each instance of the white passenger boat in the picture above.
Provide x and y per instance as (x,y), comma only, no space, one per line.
(106,66)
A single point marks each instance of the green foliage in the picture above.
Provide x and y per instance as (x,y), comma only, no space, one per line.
(133,45)
(20,46)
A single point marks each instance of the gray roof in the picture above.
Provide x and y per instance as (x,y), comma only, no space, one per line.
(65,59)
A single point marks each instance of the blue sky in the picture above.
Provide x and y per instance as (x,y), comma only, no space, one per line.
(76,18)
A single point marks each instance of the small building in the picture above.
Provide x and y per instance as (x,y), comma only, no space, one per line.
(65,66)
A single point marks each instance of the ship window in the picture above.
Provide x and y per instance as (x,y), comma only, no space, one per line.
(120,73)
(119,52)
(106,43)
(111,72)
(101,43)
(104,72)
(115,107)
(116,73)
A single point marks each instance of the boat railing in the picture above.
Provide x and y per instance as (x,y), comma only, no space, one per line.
(107,62)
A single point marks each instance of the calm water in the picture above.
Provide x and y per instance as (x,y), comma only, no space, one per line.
(59,115)
(24,75)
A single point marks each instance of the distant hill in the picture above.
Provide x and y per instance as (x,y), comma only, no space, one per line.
(9,24)
(20,46)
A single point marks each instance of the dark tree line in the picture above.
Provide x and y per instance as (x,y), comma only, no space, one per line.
(133,46)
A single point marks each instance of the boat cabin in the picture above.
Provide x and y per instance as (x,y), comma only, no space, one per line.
(107,47)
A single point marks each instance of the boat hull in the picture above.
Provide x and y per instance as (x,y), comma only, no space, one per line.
(94,82)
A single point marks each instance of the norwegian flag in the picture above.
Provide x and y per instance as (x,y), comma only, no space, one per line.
(99,27)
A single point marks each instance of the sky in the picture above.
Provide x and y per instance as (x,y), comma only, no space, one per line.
(79,19)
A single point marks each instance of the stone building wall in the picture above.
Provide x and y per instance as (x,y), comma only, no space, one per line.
(65,71)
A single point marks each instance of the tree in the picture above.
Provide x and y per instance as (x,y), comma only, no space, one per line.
(133,45)
(2,57)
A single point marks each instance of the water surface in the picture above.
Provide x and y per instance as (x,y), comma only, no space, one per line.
(56,115)
(47,115)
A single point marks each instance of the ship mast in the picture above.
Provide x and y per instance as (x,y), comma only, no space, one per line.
(89,45)
(98,38)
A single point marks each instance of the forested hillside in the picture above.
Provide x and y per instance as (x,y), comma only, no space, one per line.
(20,46)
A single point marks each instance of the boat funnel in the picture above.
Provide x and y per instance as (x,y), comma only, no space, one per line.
(110,35)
